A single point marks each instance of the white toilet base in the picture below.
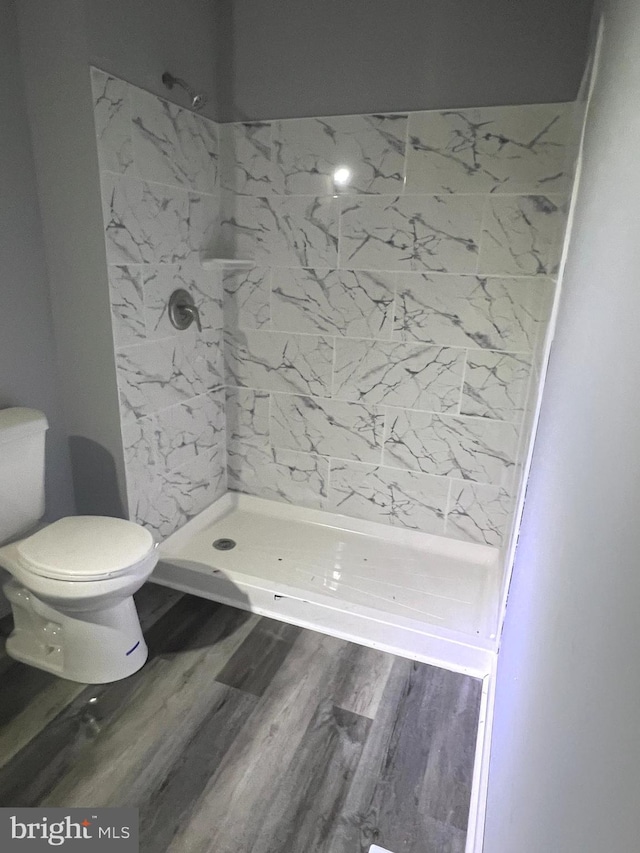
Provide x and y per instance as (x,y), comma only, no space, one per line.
(93,647)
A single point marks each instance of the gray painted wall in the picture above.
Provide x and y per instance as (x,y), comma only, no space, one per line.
(27,351)
(54,52)
(566,753)
(58,42)
(290,58)
(137,40)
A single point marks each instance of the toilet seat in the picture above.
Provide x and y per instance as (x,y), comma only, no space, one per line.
(85,548)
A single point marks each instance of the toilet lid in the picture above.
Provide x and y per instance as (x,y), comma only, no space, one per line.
(85,547)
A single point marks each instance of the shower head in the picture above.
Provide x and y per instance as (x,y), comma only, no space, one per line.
(197,101)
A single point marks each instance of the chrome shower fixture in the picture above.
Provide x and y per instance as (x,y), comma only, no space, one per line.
(197,101)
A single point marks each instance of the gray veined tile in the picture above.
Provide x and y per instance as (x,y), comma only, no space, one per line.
(139,443)
(412,376)
(495,385)
(143,510)
(466,448)
(190,430)
(156,375)
(127,305)
(400,498)
(112,115)
(205,353)
(413,232)
(172,145)
(206,288)
(251,466)
(246,158)
(283,231)
(247,295)
(479,513)
(143,487)
(327,427)
(471,311)
(515,149)
(204,212)
(173,473)
(521,235)
(277,361)
(144,223)
(247,414)
(308,151)
(186,491)
(276,474)
(141,468)
(161,280)
(355,303)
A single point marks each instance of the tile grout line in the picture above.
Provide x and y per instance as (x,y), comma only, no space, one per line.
(444,415)
(448,507)
(407,137)
(334,357)
(386,426)
(464,372)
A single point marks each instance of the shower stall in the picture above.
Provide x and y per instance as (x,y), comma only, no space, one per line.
(342,443)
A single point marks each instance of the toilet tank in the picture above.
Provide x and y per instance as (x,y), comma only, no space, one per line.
(22,434)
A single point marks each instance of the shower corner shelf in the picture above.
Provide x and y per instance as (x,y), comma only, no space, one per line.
(231,263)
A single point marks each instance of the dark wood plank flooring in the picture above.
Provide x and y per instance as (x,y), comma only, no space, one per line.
(245,735)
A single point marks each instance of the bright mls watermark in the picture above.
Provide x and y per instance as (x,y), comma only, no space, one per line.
(104,830)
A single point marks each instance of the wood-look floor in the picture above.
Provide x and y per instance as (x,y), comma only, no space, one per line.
(245,735)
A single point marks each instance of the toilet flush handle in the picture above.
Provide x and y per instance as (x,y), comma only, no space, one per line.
(183,310)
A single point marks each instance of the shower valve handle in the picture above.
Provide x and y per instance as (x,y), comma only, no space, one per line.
(183,311)
(192,312)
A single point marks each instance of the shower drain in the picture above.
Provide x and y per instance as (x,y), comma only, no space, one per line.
(224,544)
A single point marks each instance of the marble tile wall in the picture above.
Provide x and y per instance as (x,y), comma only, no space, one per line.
(160,180)
(379,347)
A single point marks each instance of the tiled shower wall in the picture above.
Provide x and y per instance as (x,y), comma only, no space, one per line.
(379,352)
(379,346)
(160,189)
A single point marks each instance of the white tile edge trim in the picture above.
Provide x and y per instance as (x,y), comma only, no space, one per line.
(480,783)
(590,77)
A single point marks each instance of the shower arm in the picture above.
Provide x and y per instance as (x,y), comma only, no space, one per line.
(197,101)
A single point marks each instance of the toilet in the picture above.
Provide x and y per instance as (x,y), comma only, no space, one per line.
(73,580)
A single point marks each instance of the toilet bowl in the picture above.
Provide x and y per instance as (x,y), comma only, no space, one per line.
(71,594)
(73,580)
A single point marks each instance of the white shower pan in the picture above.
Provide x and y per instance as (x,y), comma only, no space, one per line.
(425,597)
